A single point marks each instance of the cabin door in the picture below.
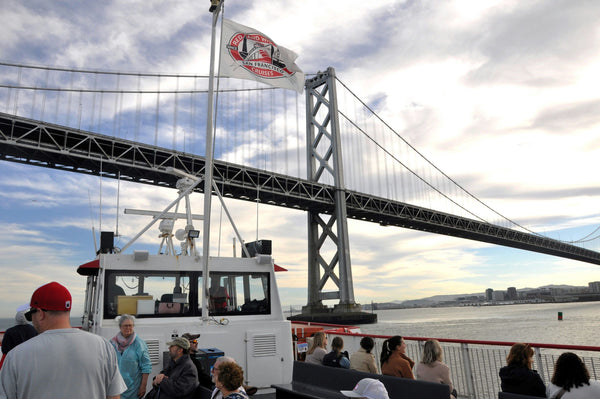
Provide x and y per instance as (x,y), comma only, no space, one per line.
(263,352)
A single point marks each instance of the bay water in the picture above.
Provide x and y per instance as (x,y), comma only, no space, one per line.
(533,323)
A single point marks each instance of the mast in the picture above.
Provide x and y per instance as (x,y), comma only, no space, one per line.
(208,166)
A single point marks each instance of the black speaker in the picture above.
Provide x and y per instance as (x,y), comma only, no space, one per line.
(107,242)
(261,247)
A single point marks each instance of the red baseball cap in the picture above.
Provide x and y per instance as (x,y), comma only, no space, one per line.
(51,296)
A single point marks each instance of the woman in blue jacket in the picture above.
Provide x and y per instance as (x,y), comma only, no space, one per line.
(133,357)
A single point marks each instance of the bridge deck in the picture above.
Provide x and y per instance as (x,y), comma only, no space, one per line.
(41,144)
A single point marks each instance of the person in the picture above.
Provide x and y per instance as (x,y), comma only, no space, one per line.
(113,291)
(517,376)
(571,380)
(17,334)
(180,378)
(369,388)
(229,381)
(337,358)
(317,350)
(68,362)
(363,359)
(394,360)
(431,368)
(133,357)
(217,394)
(204,378)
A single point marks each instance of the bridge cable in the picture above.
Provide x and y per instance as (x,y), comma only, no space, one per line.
(449,178)
(586,238)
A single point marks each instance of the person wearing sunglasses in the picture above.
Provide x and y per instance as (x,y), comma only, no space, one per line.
(204,377)
(68,362)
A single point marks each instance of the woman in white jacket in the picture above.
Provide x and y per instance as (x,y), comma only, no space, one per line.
(571,380)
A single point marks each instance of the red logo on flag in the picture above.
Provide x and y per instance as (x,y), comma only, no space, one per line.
(258,54)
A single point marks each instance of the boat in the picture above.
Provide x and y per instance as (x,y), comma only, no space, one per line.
(236,310)
(232,302)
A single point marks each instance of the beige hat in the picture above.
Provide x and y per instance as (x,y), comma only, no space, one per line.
(180,342)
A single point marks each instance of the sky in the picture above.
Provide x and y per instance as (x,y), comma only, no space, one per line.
(500,95)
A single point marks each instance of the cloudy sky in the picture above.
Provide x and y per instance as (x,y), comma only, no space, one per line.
(500,95)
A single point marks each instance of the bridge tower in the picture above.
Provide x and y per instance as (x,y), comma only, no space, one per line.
(328,243)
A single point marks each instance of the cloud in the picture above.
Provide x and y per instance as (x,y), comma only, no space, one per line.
(499,95)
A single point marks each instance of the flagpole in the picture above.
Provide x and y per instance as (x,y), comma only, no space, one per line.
(208,164)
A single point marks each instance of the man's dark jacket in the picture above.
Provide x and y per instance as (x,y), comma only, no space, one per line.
(182,381)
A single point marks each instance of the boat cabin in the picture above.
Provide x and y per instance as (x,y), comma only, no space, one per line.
(164,294)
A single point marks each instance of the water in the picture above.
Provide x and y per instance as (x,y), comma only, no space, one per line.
(533,323)
(6,323)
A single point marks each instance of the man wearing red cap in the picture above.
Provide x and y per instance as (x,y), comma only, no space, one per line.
(61,362)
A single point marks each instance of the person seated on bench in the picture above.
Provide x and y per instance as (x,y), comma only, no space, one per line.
(369,388)
(571,379)
(317,350)
(337,358)
(431,368)
(394,360)
(229,379)
(216,393)
(517,376)
(363,360)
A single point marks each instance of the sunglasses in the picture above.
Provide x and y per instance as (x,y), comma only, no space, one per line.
(31,312)
(194,341)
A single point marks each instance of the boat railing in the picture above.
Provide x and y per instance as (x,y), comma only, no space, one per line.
(474,365)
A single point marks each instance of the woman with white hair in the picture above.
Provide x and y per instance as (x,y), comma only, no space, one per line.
(431,368)
(133,358)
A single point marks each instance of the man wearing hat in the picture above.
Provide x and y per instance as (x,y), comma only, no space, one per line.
(204,377)
(180,379)
(60,362)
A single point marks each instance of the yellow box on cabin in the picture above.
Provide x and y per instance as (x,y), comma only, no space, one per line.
(128,304)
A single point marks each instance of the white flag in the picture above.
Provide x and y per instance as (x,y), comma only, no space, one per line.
(249,54)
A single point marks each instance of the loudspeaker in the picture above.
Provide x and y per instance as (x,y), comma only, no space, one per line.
(107,242)
(262,247)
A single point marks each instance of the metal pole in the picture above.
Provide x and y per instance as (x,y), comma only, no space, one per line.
(466,358)
(208,168)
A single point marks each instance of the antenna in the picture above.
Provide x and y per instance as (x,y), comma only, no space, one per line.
(118,198)
(100,194)
(92,219)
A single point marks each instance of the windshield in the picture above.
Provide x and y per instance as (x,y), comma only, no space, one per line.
(170,294)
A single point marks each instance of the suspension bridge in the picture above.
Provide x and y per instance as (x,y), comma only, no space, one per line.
(325,152)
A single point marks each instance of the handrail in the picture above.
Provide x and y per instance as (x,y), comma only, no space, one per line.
(481,342)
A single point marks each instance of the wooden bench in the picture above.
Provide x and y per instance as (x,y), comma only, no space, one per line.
(317,382)
(508,395)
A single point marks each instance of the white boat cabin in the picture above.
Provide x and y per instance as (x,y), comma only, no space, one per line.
(164,294)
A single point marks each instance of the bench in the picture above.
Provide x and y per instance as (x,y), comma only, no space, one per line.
(508,395)
(317,382)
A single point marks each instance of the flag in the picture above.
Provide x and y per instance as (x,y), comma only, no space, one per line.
(249,54)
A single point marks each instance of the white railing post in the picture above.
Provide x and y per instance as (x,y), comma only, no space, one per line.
(539,364)
(466,358)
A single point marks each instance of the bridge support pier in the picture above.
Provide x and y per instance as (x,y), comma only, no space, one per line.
(328,234)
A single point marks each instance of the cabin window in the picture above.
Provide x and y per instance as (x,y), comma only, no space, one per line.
(146,294)
(239,293)
(173,294)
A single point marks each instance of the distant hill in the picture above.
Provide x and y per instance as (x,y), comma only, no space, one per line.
(437,300)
